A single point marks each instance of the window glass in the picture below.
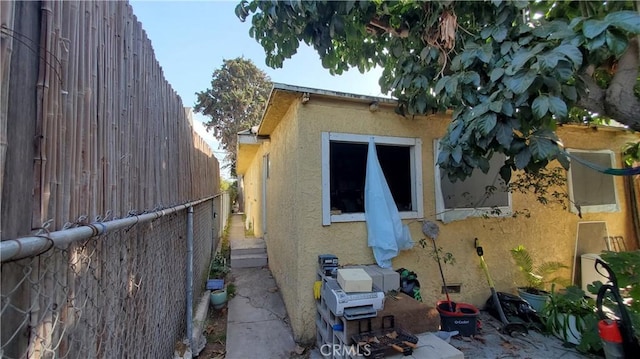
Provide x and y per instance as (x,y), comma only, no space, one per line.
(348,172)
(589,189)
(480,194)
(344,173)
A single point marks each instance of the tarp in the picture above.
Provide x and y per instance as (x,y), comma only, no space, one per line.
(386,233)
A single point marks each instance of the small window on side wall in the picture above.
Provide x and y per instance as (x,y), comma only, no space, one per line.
(589,189)
(344,162)
(482,194)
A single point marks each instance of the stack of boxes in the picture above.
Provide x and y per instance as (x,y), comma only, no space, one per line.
(333,333)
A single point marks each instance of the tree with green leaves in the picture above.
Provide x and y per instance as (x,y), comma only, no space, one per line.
(235,101)
(511,71)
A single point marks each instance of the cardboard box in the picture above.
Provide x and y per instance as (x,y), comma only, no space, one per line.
(354,280)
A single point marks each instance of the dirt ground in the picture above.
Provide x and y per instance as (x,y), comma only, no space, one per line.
(216,333)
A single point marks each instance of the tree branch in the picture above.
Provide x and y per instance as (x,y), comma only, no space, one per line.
(377,26)
(594,102)
(620,102)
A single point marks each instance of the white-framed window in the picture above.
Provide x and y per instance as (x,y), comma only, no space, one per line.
(589,189)
(482,194)
(344,162)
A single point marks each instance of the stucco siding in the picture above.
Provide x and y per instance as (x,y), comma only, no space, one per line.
(283,217)
(253,193)
(296,236)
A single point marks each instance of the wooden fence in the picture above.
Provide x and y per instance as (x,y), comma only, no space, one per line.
(90,131)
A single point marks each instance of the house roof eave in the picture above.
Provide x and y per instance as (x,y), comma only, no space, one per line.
(282,96)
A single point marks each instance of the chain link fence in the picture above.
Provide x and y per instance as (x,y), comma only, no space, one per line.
(118,295)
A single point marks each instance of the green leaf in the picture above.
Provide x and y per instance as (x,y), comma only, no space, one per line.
(505,173)
(454,131)
(575,22)
(496,74)
(421,104)
(563,71)
(456,155)
(441,83)
(521,82)
(451,86)
(443,156)
(485,53)
(522,158)
(550,59)
(557,107)
(616,42)
(596,43)
(479,110)
(500,33)
(592,28)
(496,106)
(456,63)
(486,32)
(504,135)
(349,5)
(521,57)
(471,77)
(507,108)
(564,160)
(470,96)
(483,164)
(540,106)
(505,47)
(572,53)
(487,123)
(553,84)
(397,50)
(625,20)
(541,148)
(425,52)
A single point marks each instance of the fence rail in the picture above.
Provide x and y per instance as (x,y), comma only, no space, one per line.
(34,245)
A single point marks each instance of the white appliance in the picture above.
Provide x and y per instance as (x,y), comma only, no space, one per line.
(351,305)
(588,271)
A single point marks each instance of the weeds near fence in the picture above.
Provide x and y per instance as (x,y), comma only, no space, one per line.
(216,328)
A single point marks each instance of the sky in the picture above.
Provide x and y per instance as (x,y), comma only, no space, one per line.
(192,38)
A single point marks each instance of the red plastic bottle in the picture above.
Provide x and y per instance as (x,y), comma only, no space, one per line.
(611,339)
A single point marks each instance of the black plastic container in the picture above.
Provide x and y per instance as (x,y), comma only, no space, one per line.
(462,317)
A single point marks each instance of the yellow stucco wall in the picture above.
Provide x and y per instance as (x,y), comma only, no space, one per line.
(282,231)
(295,235)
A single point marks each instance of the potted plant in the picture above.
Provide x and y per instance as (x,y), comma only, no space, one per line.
(570,313)
(536,277)
(218,270)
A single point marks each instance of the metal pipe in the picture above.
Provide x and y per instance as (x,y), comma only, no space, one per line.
(13,249)
(190,277)
(213,227)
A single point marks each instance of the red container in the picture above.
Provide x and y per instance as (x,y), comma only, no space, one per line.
(458,316)
(611,339)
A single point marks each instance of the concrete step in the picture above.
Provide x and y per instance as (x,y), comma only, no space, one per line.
(249,251)
(248,246)
(248,260)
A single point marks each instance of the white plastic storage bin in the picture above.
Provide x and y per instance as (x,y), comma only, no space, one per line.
(588,271)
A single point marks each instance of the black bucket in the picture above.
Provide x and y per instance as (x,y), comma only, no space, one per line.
(462,317)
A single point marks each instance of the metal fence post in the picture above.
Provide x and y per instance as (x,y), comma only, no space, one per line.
(190,277)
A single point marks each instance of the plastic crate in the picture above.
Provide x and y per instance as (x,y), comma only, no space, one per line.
(214,284)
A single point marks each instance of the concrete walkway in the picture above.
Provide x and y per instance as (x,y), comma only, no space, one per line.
(257,322)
